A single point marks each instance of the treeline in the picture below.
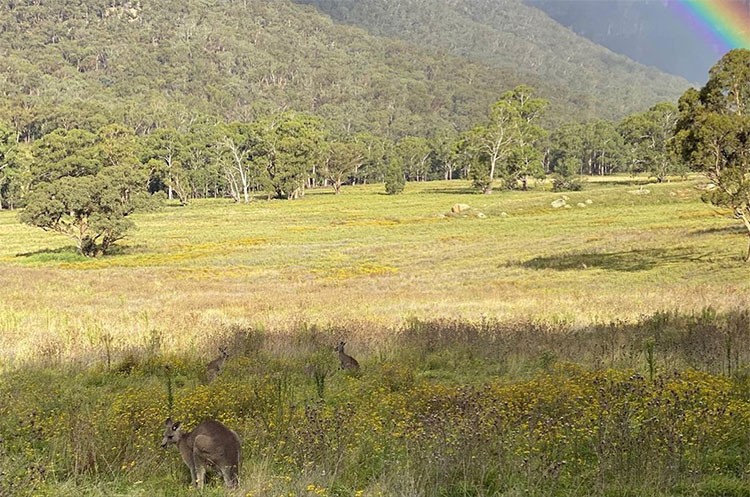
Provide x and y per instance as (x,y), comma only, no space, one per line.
(83,176)
(276,156)
(281,155)
(512,147)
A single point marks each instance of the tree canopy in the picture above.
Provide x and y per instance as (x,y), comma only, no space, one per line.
(713,134)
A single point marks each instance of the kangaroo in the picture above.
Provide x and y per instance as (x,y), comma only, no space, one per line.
(310,370)
(347,361)
(214,367)
(210,444)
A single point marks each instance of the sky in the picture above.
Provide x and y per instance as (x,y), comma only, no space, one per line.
(673,35)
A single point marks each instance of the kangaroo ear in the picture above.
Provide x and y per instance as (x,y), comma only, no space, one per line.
(176,426)
(168,422)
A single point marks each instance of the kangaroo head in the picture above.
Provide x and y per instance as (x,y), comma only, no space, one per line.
(340,347)
(224,352)
(172,432)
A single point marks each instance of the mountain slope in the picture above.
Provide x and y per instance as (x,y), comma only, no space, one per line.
(510,35)
(149,63)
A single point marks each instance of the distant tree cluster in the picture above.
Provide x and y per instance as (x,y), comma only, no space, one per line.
(513,147)
(85,179)
(82,175)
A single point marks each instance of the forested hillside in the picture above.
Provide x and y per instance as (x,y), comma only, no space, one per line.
(509,35)
(151,64)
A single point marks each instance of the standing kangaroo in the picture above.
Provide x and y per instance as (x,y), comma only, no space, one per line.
(347,361)
(214,367)
(210,444)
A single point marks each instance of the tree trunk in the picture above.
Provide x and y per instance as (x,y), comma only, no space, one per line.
(746,220)
(488,188)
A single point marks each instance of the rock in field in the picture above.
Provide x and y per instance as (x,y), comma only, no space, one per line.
(640,191)
(581,204)
(560,202)
(459,208)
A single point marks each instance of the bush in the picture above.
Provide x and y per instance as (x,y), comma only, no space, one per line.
(566,183)
(394,179)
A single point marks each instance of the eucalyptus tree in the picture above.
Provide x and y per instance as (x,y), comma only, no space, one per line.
(87,185)
(445,157)
(341,161)
(288,144)
(237,146)
(8,150)
(378,151)
(166,154)
(648,137)
(511,128)
(414,152)
(713,134)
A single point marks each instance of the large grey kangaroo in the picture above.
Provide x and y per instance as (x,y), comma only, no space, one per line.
(210,444)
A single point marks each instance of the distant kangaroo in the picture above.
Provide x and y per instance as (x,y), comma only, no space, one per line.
(210,444)
(214,367)
(347,361)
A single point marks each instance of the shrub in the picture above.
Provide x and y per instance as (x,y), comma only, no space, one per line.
(394,179)
(566,183)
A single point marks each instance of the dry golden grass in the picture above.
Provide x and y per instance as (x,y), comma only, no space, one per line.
(366,256)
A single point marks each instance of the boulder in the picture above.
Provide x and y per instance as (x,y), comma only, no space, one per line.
(589,201)
(560,202)
(459,208)
(481,215)
(640,191)
(707,187)
(504,214)
(581,204)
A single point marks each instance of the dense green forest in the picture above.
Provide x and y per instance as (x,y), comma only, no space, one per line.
(512,36)
(149,65)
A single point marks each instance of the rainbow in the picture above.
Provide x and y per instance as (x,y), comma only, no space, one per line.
(725,24)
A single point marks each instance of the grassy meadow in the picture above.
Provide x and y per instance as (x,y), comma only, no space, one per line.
(596,350)
(365,256)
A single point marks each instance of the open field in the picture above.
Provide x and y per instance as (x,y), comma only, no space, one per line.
(591,351)
(365,256)
(657,408)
